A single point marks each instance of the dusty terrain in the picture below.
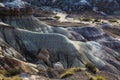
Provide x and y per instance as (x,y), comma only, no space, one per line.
(48,17)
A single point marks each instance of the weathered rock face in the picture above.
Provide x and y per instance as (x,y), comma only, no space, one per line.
(61,48)
(72,47)
(107,6)
(15,8)
(98,35)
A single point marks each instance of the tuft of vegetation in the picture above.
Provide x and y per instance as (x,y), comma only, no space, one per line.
(96,78)
(100,78)
(10,72)
(92,78)
(13,78)
(2,72)
(97,20)
(66,74)
(112,21)
(91,67)
(57,17)
(17,78)
(71,71)
(86,19)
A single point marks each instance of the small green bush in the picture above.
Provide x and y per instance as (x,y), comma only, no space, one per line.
(2,72)
(71,71)
(57,17)
(112,21)
(92,78)
(66,74)
(96,20)
(91,67)
(12,72)
(86,19)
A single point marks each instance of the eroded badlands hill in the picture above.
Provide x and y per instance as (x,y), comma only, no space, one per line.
(36,45)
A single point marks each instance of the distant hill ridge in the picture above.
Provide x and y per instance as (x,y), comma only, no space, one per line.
(107,6)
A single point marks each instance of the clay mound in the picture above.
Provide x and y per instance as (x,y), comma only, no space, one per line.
(61,49)
(98,35)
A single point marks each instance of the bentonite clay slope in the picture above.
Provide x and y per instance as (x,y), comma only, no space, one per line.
(98,35)
(62,49)
(73,47)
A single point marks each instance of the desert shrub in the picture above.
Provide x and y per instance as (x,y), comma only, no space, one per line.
(2,72)
(92,78)
(57,17)
(91,67)
(12,72)
(16,78)
(112,21)
(77,69)
(86,19)
(96,20)
(66,74)
(71,71)
(100,78)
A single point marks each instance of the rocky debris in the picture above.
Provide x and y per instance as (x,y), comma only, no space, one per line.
(41,67)
(16,64)
(8,51)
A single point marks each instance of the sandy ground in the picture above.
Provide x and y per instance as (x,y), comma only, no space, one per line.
(75,20)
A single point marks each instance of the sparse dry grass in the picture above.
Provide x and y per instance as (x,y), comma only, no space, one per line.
(71,71)
(57,17)
(86,19)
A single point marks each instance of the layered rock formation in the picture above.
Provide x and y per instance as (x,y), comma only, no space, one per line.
(34,41)
(15,8)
